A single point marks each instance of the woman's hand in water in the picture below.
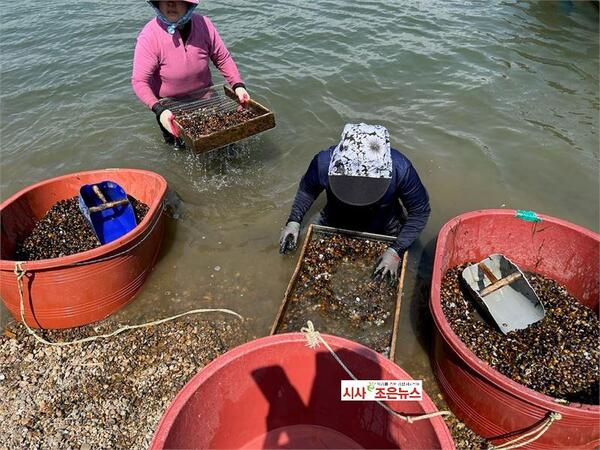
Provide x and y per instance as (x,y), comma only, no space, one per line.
(387,266)
(289,237)
(167,120)
(242,95)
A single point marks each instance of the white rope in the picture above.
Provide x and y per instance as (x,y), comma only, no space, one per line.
(536,433)
(20,273)
(314,338)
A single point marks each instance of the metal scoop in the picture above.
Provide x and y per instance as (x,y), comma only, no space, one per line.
(504,292)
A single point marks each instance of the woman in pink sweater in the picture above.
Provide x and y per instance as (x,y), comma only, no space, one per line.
(171,58)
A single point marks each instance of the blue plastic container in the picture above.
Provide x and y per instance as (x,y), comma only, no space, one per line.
(111,223)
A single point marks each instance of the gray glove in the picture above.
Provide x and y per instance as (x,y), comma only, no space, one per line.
(289,237)
(387,266)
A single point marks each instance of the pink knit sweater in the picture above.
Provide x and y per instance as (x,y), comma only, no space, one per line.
(163,66)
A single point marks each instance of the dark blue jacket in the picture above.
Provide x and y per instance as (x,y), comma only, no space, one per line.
(384,217)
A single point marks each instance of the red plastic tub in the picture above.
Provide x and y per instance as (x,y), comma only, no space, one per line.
(88,286)
(487,401)
(277,393)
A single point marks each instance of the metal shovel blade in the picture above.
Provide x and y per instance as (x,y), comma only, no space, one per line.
(507,297)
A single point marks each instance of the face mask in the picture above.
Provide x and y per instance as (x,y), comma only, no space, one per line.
(172,26)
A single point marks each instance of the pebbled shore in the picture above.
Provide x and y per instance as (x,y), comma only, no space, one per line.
(110,393)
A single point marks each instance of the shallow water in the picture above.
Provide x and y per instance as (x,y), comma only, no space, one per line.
(333,289)
(496,104)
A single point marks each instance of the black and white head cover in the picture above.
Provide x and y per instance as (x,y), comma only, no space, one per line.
(360,170)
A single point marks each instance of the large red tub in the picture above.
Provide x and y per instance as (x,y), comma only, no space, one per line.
(88,286)
(275,392)
(487,401)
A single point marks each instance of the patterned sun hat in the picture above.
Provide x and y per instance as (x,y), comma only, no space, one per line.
(360,170)
(363,151)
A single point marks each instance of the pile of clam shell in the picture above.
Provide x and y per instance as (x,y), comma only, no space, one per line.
(200,123)
(64,231)
(558,356)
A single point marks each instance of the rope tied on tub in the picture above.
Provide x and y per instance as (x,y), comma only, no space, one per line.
(314,339)
(20,272)
(535,434)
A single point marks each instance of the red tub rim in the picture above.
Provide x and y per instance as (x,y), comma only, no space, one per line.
(182,397)
(103,250)
(463,351)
